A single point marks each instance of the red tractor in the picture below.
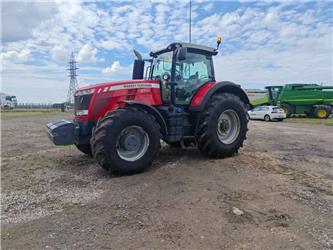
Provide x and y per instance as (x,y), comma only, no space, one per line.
(178,100)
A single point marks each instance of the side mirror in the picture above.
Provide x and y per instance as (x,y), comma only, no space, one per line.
(181,54)
(138,69)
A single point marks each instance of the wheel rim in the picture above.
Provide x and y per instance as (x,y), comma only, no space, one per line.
(321,113)
(132,143)
(266,118)
(228,126)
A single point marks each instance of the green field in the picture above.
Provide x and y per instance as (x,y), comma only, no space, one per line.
(259,101)
(31,112)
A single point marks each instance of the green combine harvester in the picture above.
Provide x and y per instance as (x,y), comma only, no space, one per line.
(311,99)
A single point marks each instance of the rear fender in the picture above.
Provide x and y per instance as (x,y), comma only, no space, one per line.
(152,111)
(202,97)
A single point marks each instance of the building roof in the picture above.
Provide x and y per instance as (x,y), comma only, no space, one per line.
(172,46)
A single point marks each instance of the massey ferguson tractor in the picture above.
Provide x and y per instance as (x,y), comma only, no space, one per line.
(178,100)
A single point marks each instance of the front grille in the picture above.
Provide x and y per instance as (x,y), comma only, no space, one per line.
(82,102)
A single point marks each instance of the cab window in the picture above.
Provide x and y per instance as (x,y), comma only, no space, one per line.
(161,65)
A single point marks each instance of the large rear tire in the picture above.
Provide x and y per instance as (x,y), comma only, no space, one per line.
(321,112)
(222,128)
(126,141)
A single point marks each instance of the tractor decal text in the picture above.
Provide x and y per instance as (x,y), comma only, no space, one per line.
(134,86)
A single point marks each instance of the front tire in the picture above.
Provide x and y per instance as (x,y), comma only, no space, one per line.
(222,128)
(126,141)
(86,149)
(174,144)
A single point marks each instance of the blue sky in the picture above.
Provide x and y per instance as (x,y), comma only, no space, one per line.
(264,42)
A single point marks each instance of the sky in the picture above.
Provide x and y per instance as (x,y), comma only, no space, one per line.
(263,42)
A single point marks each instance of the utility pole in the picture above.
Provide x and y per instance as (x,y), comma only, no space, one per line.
(73,82)
(189,35)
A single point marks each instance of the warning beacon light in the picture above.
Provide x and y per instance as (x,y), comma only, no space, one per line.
(218,41)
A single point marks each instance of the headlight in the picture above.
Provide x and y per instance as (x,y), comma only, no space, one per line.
(82,112)
(85,92)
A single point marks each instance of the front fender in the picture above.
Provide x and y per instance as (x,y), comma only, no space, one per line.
(151,110)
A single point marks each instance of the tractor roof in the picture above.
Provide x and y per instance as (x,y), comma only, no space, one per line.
(172,46)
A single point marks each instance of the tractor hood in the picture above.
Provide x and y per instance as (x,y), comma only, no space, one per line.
(126,84)
(93,101)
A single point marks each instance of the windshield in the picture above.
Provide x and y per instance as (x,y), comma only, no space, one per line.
(189,75)
(195,66)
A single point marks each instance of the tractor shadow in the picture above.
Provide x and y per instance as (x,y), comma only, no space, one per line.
(168,156)
(173,156)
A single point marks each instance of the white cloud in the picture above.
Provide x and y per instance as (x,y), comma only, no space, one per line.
(15,56)
(261,42)
(20,18)
(112,44)
(117,71)
(60,53)
(114,68)
(270,17)
(269,65)
(35,83)
(208,7)
(87,54)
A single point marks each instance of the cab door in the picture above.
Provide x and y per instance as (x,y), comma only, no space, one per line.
(190,75)
(161,70)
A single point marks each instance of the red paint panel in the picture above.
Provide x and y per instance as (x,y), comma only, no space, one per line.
(108,84)
(108,95)
(201,93)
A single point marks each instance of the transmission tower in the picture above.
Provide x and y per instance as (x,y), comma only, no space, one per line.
(73,82)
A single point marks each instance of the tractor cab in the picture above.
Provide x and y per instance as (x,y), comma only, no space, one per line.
(181,68)
(273,94)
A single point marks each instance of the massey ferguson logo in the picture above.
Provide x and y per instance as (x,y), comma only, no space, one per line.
(134,86)
(145,85)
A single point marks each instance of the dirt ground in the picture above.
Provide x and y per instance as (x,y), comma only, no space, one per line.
(276,193)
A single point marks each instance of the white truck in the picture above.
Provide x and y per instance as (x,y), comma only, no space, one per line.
(7,101)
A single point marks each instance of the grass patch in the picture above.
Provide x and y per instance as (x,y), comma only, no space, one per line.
(328,121)
(32,112)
